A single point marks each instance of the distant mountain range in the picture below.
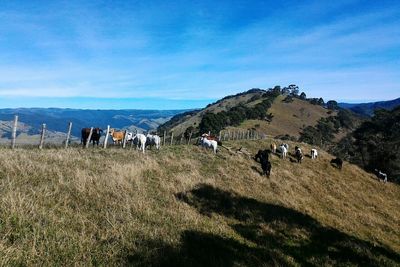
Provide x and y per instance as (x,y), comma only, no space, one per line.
(367,109)
(56,119)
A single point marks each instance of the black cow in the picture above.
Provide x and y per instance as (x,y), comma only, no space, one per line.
(262,153)
(338,162)
(95,136)
(266,166)
(263,156)
(298,155)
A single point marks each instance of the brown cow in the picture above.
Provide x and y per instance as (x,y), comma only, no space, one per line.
(273,147)
(117,137)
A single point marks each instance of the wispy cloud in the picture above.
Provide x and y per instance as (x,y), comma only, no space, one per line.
(207,50)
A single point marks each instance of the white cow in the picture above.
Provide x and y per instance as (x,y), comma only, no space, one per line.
(314,153)
(153,140)
(283,151)
(204,142)
(140,141)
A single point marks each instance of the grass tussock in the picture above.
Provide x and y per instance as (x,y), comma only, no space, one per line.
(183,206)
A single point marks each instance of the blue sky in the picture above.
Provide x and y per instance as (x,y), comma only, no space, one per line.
(185,54)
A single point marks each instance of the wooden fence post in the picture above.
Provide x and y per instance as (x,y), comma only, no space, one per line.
(165,133)
(89,137)
(124,141)
(190,138)
(42,136)
(172,138)
(68,134)
(180,141)
(219,136)
(14,132)
(106,138)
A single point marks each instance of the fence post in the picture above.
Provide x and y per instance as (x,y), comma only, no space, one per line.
(14,132)
(106,138)
(165,133)
(42,136)
(68,134)
(124,141)
(89,137)
(219,136)
(172,138)
(190,138)
(180,141)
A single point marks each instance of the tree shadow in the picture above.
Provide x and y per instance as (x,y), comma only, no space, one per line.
(272,235)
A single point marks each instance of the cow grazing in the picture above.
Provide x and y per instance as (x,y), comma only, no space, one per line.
(117,136)
(338,162)
(140,141)
(153,140)
(314,153)
(273,148)
(298,154)
(381,175)
(284,151)
(95,138)
(204,142)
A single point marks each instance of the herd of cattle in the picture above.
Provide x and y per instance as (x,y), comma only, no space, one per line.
(263,157)
(141,141)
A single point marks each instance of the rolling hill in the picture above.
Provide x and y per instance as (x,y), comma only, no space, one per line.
(183,206)
(367,109)
(283,117)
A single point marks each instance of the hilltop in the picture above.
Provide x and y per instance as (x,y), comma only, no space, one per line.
(183,206)
(289,118)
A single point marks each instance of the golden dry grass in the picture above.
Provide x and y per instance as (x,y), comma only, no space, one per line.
(184,206)
(289,118)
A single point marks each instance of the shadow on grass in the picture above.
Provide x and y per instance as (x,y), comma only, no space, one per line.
(272,235)
(255,169)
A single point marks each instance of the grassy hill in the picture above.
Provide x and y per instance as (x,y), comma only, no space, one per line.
(289,118)
(183,206)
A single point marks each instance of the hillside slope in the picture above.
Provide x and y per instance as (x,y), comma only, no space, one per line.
(243,111)
(192,119)
(183,206)
(289,118)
